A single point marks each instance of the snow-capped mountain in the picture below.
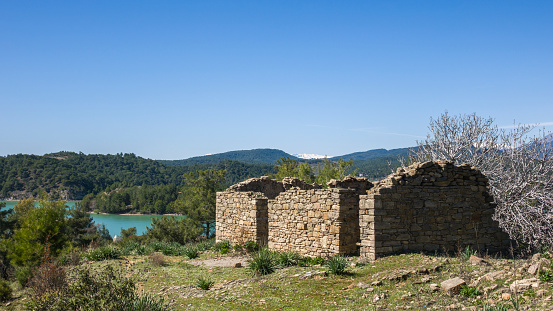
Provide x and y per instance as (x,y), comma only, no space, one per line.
(309,156)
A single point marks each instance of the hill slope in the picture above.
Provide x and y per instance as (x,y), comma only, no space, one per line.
(257,156)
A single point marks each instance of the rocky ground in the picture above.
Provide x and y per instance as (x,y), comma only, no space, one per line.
(400,282)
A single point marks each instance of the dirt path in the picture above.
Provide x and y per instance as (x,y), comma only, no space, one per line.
(221,262)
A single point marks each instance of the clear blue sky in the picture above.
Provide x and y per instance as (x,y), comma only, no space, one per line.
(175,79)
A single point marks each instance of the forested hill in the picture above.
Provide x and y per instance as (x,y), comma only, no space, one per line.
(254,156)
(71,175)
(374,154)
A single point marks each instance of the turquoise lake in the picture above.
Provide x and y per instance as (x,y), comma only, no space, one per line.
(114,223)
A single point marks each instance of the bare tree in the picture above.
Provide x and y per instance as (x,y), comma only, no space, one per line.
(519,168)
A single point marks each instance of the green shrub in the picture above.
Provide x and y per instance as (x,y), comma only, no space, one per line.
(191,252)
(102,253)
(318,260)
(105,289)
(204,245)
(5,291)
(23,274)
(262,262)
(469,292)
(204,283)
(287,259)
(337,265)
(546,276)
(305,261)
(251,246)
(237,248)
(167,248)
(222,247)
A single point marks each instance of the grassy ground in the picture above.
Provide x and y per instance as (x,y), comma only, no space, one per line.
(400,282)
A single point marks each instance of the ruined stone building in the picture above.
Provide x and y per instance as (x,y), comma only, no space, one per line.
(425,207)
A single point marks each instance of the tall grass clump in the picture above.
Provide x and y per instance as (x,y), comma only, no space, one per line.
(204,283)
(148,303)
(337,265)
(262,262)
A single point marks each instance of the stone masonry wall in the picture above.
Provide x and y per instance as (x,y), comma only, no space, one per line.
(319,222)
(429,206)
(241,217)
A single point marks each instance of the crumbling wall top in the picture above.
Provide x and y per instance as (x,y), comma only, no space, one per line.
(270,187)
(439,173)
(360,184)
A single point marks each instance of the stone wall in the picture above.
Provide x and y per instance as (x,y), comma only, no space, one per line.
(241,217)
(320,222)
(429,206)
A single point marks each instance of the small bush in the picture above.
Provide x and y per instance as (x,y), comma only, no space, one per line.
(23,274)
(262,262)
(305,261)
(251,246)
(204,245)
(337,265)
(47,277)
(237,248)
(318,260)
(191,252)
(102,253)
(167,248)
(287,259)
(157,259)
(5,291)
(469,292)
(222,247)
(204,283)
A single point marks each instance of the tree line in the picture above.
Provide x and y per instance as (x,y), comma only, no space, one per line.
(69,175)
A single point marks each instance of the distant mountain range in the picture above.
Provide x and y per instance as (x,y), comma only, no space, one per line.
(270,156)
(254,156)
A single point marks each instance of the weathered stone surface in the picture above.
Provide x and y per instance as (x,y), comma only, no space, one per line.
(428,207)
(522,285)
(494,275)
(477,261)
(452,286)
(533,269)
(425,207)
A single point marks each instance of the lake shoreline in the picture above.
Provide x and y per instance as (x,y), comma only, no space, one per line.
(134,214)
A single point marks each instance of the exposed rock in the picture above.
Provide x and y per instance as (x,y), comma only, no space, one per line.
(534,268)
(434,287)
(452,286)
(363,285)
(477,261)
(376,283)
(494,275)
(522,285)
(505,296)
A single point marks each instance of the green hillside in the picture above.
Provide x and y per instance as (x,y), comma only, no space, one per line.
(70,175)
(254,156)
(373,154)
